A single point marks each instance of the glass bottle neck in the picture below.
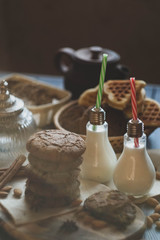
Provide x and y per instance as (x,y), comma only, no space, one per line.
(97,128)
(130,141)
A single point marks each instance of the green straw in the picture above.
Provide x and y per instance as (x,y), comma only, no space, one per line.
(101,80)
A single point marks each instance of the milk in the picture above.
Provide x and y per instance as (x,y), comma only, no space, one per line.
(99,158)
(134,173)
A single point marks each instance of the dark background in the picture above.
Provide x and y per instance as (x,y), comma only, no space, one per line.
(31,32)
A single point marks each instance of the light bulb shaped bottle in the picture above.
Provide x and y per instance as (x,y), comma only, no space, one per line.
(99,159)
(134,173)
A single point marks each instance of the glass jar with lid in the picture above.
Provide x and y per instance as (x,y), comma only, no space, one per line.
(16,126)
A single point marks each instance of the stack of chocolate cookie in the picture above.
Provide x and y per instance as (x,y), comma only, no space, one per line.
(54,158)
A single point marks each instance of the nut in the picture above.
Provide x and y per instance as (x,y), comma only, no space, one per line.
(149,222)
(157,224)
(155,216)
(17,192)
(98,224)
(157,175)
(3,194)
(152,202)
(6,188)
(157,208)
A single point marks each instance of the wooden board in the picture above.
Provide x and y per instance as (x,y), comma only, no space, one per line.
(49,229)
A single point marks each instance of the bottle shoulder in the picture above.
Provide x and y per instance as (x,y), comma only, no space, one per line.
(97,128)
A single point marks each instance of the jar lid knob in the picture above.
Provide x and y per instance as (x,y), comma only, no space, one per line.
(4,93)
(9,104)
(96,51)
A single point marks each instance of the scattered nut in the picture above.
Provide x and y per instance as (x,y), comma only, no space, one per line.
(17,192)
(149,222)
(155,216)
(152,202)
(157,224)
(157,175)
(157,208)
(3,194)
(98,224)
(6,188)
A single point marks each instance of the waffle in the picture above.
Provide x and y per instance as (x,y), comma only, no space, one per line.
(140,104)
(140,97)
(151,113)
(128,110)
(118,94)
(88,97)
(117,143)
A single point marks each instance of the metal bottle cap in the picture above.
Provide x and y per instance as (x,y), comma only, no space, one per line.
(9,104)
(135,128)
(97,116)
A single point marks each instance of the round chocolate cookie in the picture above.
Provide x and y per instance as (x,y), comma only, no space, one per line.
(56,145)
(37,202)
(111,205)
(53,190)
(57,166)
(52,177)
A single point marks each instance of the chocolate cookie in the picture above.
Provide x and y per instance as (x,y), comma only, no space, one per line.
(37,202)
(52,177)
(56,145)
(111,205)
(53,190)
(58,166)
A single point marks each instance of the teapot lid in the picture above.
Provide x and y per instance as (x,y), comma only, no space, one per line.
(94,55)
(9,104)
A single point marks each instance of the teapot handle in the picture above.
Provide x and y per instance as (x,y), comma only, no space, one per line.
(64,59)
(122,71)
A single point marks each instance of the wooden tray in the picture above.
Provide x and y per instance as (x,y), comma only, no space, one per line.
(27,224)
(49,229)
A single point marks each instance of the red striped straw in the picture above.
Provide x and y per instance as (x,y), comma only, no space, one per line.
(134,105)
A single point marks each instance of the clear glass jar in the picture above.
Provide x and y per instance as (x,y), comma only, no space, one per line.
(16,126)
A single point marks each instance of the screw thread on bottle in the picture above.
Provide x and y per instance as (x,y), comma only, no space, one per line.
(135,128)
(97,116)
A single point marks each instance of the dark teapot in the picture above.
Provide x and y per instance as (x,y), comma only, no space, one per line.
(82,67)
